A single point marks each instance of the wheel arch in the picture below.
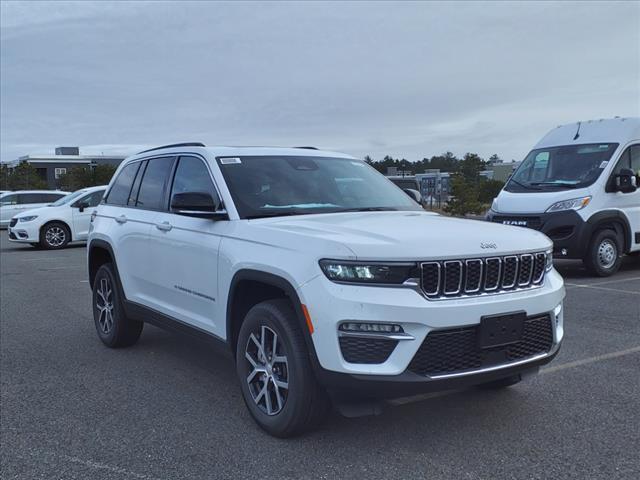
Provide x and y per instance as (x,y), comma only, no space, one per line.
(249,287)
(615,220)
(56,220)
(99,253)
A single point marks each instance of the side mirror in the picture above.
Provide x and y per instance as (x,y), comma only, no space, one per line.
(196,204)
(81,205)
(414,194)
(626,181)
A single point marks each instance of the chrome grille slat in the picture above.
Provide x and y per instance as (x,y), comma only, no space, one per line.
(482,276)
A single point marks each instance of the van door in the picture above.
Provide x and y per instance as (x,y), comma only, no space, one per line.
(627,203)
(82,219)
(185,252)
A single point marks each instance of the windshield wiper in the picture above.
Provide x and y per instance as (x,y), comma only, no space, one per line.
(523,185)
(274,214)
(557,184)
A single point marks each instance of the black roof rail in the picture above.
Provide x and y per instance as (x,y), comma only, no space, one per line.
(308,148)
(187,144)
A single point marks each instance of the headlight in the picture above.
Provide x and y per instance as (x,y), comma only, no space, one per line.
(362,272)
(27,219)
(573,204)
(549,262)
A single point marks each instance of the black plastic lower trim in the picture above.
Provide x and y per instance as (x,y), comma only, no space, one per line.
(343,385)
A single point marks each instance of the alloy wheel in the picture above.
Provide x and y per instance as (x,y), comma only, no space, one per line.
(104,304)
(268,370)
(55,236)
(607,253)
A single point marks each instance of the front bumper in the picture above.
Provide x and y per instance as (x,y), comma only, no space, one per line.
(330,304)
(26,232)
(568,231)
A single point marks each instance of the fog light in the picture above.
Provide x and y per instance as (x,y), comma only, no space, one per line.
(370,327)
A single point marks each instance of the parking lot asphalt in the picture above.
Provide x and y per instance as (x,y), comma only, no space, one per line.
(170,407)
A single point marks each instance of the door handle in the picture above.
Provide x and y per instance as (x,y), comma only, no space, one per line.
(164,226)
(121,219)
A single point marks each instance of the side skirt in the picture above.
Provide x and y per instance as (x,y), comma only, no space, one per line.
(160,320)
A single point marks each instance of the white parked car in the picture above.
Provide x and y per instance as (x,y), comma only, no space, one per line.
(12,203)
(54,226)
(321,277)
(580,185)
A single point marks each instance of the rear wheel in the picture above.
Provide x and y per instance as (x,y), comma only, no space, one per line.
(604,255)
(276,377)
(54,235)
(113,327)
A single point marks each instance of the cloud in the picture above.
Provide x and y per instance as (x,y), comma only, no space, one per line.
(406,79)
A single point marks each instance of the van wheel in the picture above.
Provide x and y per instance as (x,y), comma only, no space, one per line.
(54,235)
(113,327)
(604,255)
(276,377)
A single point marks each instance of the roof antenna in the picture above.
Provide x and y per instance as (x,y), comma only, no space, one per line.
(577,131)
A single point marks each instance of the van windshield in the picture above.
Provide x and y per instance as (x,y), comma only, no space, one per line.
(561,168)
(269,186)
(68,198)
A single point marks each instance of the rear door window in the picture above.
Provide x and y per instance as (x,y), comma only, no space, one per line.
(153,187)
(26,198)
(119,193)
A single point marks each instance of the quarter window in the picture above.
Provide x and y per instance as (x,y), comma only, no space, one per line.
(154,181)
(193,176)
(119,193)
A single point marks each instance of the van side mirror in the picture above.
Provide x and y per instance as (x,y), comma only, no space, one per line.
(197,204)
(626,181)
(81,205)
(414,194)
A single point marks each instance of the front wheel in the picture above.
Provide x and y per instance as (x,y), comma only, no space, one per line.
(276,377)
(54,235)
(605,253)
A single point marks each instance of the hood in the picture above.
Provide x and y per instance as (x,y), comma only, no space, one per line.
(407,235)
(533,202)
(35,211)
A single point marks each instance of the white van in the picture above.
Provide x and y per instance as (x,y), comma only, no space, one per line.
(580,186)
(12,203)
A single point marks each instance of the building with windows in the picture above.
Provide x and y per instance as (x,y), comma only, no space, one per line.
(51,167)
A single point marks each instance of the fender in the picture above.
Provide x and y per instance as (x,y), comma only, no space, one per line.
(105,245)
(618,218)
(280,283)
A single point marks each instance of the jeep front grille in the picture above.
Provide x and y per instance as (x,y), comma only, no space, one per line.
(475,276)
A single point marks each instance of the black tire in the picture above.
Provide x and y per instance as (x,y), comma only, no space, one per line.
(604,255)
(54,236)
(304,403)
(112,325)
(501,383)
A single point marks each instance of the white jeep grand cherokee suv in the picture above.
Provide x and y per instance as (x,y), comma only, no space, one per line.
(323,279)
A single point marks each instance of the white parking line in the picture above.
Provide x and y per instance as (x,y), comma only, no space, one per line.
(586,361)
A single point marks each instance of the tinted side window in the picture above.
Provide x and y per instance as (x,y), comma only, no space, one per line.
(9,200)
(119,193)
(93,199)
(51,197)
(634,153)
(37,197)
(154,181)
(630,158)
(192,175)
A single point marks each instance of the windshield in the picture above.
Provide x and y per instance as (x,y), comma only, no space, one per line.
(68,198)
(286,185)
(561,168)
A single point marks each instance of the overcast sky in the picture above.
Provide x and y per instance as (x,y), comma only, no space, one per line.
(410,80)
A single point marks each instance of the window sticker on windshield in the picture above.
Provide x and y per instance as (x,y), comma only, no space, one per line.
(604,163)
(230,161)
